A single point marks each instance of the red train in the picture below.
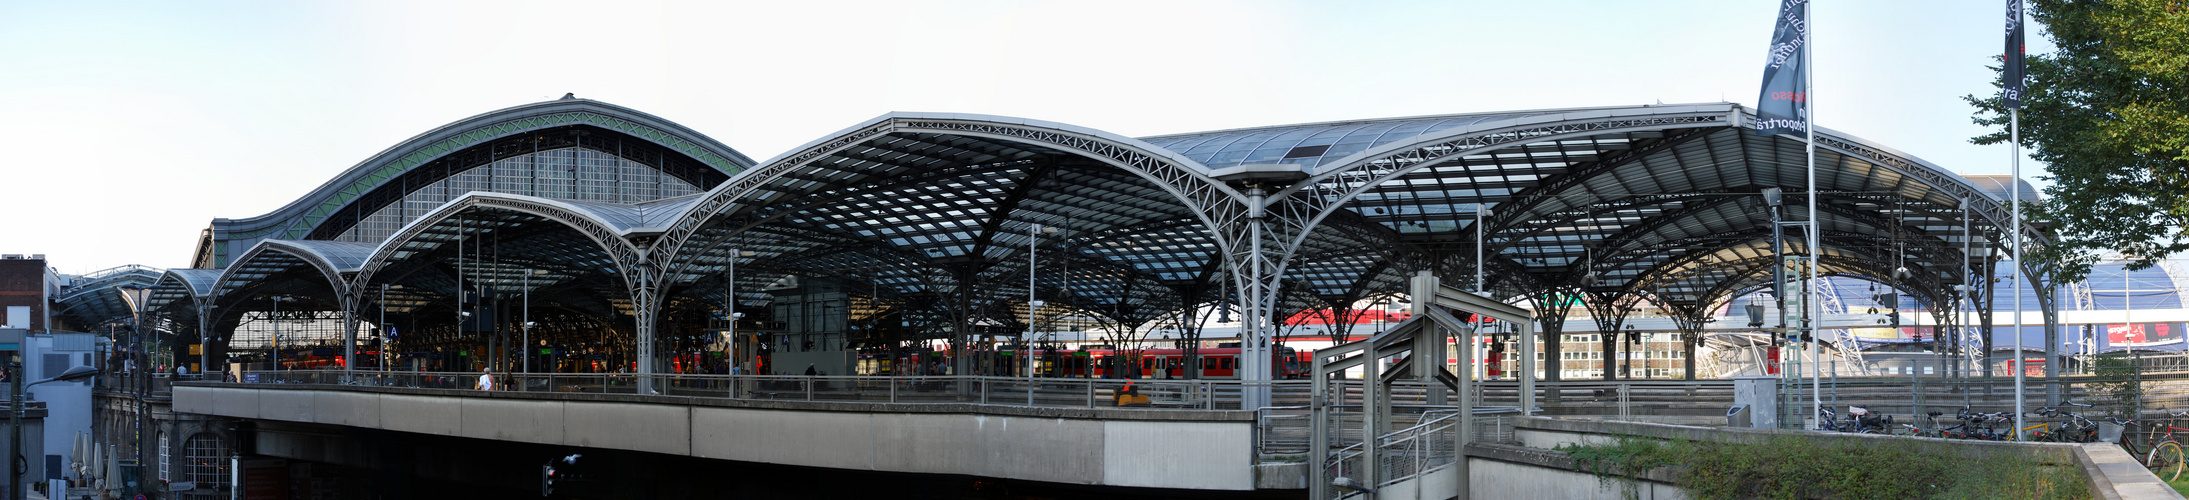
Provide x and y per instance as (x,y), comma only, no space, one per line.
(1216,363)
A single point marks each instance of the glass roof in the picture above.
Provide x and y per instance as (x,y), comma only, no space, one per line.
(1310,145)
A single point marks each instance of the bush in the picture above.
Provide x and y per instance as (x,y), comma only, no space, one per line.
(1803,467)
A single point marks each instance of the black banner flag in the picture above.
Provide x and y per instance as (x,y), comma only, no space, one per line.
(1785,74)
(2016,51)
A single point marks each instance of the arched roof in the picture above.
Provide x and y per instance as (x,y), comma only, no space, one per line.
(269,260)
(92,299)
(184,285)
(935,210)
(1655,184)
(386,177)
(920,204)
(606,227)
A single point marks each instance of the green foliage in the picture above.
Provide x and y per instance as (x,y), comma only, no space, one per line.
(2120,383)
(1803,467)
(1629,457)
(2105,113)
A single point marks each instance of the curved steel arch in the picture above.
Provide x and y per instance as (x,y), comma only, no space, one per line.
(1329,190)
(297,219)
(328,268)
(197,284)
(1187,181)
(1619,255)
(629,258)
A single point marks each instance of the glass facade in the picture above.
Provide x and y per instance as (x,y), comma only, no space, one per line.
(582,174)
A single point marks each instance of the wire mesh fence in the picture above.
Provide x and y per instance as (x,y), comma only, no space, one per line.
(1006,391)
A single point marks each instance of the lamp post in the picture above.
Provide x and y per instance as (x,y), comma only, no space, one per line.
(15,414)
(136,295)
(384,338)
(277,329)
(1033,241)
(729,308)
(524,346)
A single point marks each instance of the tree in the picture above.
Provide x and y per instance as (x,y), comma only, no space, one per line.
(2106,113)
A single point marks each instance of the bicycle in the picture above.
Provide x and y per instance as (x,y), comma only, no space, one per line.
(1934,432)
(1859,420)
(2075,428)
(2164,459)
(1977,425)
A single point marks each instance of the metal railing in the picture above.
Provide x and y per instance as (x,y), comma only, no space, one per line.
(1003,391)
(1913,398)
(1404,454)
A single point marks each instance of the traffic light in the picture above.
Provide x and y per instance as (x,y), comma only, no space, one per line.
(547,478)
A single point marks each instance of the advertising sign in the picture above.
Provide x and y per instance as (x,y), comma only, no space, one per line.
(2143,334)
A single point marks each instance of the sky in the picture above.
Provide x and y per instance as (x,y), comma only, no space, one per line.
(131,125)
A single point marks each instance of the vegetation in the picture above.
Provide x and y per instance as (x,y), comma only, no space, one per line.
(2105,114)
(1801,467)
(2119,384)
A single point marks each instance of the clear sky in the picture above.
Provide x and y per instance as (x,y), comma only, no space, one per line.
(129,126)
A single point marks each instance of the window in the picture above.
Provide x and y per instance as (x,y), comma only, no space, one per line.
(163,457)
(1225,364)
(206,460)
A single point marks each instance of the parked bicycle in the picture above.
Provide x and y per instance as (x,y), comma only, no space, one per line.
(2168,432)
(2072,428)
(1978,425)
(2164,458)
(1859,420)
(1933,431)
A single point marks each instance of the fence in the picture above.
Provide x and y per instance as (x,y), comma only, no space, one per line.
(1404,454)
(1915,397)
(1005,391)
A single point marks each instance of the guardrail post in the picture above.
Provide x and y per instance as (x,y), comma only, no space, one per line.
(1625,413)
(1089,384)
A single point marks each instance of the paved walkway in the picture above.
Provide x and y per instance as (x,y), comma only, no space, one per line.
(2130,479)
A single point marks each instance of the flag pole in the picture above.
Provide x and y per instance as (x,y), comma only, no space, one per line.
(2011,86)
(2021,359)
(1814,308)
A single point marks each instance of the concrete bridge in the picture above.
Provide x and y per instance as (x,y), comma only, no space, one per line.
(1184,448)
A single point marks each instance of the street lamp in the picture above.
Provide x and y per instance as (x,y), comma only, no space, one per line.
(277,329)
(384,337)
(1033,240)
(729,307)
(525,346)
(136,294)
(15,415)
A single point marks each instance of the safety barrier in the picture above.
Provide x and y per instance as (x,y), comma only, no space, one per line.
(1006,391)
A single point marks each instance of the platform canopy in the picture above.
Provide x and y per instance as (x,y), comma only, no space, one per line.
(930,218)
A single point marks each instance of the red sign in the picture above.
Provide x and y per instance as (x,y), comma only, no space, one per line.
(1358,317)
(2143,334)
(1772,366)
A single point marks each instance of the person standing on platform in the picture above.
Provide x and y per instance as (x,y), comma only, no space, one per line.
(486,379)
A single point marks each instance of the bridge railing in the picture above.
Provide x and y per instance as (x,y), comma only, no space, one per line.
(1004,391)
(1403,454)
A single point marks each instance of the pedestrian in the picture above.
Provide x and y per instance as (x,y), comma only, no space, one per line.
(810,371)
(486,379)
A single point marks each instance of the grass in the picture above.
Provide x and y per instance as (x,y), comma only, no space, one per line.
(2181,485)
(1799,467)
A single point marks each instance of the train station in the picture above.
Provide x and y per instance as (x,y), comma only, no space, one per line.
(1224,311)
